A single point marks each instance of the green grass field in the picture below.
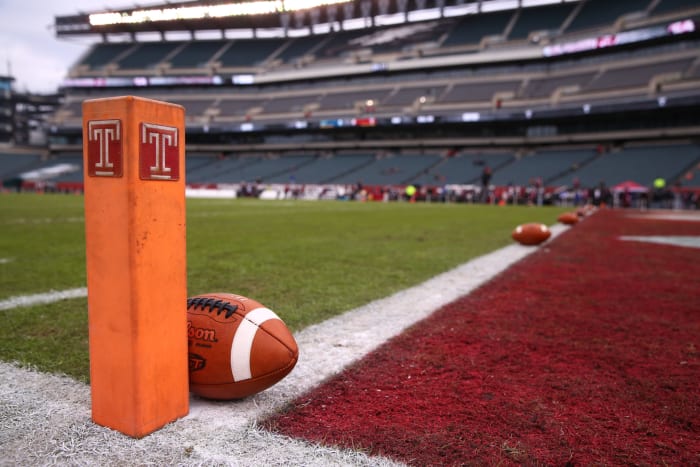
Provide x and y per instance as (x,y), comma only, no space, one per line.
(307,261)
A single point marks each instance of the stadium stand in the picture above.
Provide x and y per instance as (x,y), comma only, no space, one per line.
(636,75)
(325,168)
(12,165)
(644,163)
(248,52)
(69,167)
(238,107)
(348,99)
(195,106)
(544,165)
(267,168)
(339,45)
(194,55)
(283,104)
(146,56)
(408,96)
(391,169)
(672,6)
(103,54)
(479,91)
(209,169)
(530,91)
(463,168)
(601,14)
(295,49)
(197,161)
(549,19)
(473,29)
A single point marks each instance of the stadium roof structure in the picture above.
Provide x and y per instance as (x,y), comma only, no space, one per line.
(281,15)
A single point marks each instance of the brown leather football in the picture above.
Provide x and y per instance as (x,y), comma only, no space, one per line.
(237,347)
(568,218)
(531,234)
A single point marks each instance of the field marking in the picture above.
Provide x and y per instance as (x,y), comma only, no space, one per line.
(43,220)
(46,418)
(686,241)
(42,298)
(688,216)
(5,260)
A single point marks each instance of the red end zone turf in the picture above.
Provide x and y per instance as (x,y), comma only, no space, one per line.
(584,353)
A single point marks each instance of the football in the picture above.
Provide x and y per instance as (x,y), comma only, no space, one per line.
(531,234)
(568,218)
(236,346)
(586,210)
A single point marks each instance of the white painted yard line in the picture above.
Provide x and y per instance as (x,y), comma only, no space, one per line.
(42,298)
(45,419)
(686,241)
(665,215)
(43,220)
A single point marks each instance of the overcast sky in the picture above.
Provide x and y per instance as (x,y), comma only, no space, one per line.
(29,49)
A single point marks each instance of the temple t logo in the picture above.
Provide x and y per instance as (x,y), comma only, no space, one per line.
(104,148)
(159,152)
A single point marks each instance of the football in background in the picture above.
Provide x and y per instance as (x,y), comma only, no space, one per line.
(586,210)
(531,234)
(568,218)
(236,346)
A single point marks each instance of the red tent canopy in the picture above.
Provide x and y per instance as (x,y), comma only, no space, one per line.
(632,187)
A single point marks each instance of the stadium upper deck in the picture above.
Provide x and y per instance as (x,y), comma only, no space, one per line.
(499,72)
(544,90)
(242,56)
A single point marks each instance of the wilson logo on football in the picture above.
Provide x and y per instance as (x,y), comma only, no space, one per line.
(196,362)
(203,334)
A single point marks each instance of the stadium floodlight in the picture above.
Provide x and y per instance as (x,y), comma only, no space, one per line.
(223,10)
(303,32)
(323,28)
(390,20)
(243,79)
(528,3)
(294,5)
(461,10)
(424,15)
(354,23)
(498,5)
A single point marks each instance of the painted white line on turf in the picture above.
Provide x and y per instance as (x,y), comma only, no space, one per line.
(687,241)
(43,220)
(688,216)
(5,260)
(46,418)
(42,298)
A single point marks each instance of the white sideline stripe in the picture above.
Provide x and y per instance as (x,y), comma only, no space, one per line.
(42,298)
(45,220)
(45,419)
(243,341)
(687,241)
(688,216)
